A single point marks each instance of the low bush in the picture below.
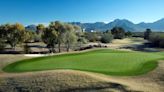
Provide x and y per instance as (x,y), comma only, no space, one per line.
(157,39)
(106,38)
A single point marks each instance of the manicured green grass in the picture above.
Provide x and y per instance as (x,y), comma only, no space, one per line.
(106,61)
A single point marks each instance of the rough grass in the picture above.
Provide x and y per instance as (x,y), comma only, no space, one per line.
(6,59)
(106,61)
(60,81)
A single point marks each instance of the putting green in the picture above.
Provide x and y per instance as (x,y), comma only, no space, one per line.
(106,61)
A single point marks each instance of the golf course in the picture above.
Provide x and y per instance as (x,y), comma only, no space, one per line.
(104,61)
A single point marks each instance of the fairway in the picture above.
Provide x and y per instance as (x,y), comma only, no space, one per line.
(106,61)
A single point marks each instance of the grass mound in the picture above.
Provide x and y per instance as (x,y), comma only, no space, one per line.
(60,81)
(104,61)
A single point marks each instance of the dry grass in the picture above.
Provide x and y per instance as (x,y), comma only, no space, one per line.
(58,81)
(117,43)
(7,59)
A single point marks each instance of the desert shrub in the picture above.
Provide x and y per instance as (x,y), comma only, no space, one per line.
(106,38)
(82,40)
(138,34)
(157,39)
(128,34)
(91,36)
(118,32)
(147,34)
(161,43)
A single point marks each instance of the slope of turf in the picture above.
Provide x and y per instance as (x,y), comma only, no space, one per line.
(104,61)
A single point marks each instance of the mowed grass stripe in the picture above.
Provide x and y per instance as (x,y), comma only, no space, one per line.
(106,61)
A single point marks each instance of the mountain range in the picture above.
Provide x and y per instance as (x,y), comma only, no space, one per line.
(124,23)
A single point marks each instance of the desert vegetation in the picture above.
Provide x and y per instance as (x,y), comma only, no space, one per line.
(57,35)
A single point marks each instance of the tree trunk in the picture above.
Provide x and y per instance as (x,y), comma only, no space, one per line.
(80,44)
(14,47)
(59,47)
(53,50)
(67,47)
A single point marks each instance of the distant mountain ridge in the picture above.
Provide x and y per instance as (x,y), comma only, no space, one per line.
(126,24)
(31,28)
(157,25)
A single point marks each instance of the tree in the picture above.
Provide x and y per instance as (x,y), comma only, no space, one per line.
(37,38)
(2,37)
(13,34)
(59,27)
(2,44)
(80,36)
(82,40)
(157,39)
(147,34)
(65,33)
(39,32)
(28,36)
(40,28)
(70,36)
(106,38)
(49,37)
(3,29)
(26,49)
(91,37)
(118,32)
(128,34)
(16,34)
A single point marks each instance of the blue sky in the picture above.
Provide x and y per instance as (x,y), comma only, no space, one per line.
(44,11)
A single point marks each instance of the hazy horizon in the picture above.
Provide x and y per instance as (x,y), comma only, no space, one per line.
(85,11)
